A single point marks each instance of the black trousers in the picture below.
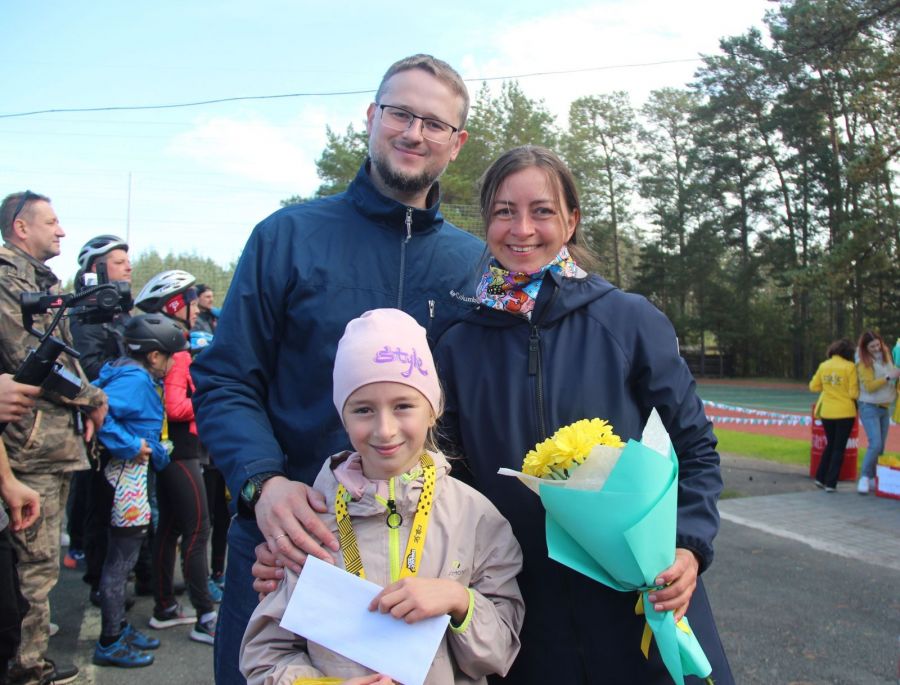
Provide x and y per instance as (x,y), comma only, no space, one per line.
(181,495)
(13,606)
(219,516)
(837,433)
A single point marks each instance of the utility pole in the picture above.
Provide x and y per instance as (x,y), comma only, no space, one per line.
(128,213)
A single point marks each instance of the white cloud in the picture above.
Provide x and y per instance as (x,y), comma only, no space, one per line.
(257,150)
(611,34)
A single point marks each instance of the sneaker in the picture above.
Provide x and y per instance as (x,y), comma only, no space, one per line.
(214,591)
(219,579)
(58,675)
(54,629)
(73,558)
(818,483)
(121,653)
(830,489)
(205,631)
(862,486)
(168,618)
(136,638)
(96,600)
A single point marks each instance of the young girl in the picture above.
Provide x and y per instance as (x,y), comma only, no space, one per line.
(131,435)
(387,393)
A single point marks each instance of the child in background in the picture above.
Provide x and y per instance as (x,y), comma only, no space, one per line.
(387,393)
(131,435)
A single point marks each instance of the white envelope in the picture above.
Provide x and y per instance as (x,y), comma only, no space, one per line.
(331,607)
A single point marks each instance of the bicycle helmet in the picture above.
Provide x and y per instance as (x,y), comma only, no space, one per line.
(97,247)
(161,288)
(149,332)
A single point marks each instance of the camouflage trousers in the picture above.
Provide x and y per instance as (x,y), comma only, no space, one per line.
(38,551)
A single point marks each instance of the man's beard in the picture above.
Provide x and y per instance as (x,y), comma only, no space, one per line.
(401,182)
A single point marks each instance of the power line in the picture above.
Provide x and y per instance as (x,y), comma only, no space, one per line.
(282,96)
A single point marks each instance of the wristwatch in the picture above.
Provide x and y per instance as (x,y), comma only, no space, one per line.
(252,490)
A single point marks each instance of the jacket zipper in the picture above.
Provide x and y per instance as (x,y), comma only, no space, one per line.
(393,536)
(408,222)
(535,369)
(430,315)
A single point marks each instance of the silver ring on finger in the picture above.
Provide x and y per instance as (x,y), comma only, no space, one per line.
(278,537)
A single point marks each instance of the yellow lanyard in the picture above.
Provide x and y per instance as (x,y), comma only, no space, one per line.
(415,543)
(164,433)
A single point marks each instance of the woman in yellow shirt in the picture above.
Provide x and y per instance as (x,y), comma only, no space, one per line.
(838,384)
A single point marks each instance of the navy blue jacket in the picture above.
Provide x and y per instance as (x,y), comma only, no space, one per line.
(590,351)
(264,390)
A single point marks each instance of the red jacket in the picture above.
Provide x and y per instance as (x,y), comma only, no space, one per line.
(179,409)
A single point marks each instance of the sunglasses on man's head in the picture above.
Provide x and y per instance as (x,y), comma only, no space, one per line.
(26,196)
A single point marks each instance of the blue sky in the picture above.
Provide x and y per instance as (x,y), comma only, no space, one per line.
(202,177)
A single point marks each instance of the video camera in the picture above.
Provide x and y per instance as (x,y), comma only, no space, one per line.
(90,304)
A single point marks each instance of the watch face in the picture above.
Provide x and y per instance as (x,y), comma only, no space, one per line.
(248,492)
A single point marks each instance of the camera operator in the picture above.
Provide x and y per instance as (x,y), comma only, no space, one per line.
(44,445)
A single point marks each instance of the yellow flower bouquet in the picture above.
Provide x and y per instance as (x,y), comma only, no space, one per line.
(611,515)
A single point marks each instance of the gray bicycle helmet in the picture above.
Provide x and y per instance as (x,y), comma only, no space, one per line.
(149,332)
(97,247)
(162,287)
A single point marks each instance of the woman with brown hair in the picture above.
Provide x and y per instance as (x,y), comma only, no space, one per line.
(877,391)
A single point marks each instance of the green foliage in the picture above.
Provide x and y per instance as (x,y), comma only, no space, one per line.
(341,159)
(756,206)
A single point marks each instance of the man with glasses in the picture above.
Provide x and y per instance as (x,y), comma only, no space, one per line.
(44,445)
(263,400)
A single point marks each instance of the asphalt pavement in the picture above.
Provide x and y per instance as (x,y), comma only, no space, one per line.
(805,586)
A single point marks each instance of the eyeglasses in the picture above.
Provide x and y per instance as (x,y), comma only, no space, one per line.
(400,119)
(26,196)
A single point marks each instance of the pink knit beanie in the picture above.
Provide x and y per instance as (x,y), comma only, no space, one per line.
(385,345)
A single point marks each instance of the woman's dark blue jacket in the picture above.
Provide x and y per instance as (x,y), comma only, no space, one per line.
(590,351)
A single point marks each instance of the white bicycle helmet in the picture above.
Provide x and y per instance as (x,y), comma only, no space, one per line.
(161,288)
(97,247)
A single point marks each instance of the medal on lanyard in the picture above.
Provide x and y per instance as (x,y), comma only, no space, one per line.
(349,545)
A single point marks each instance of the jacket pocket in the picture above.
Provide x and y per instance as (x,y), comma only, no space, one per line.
(34,434)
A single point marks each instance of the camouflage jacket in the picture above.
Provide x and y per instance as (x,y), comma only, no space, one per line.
(44,440)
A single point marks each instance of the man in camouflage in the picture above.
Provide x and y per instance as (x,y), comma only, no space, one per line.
(44,446)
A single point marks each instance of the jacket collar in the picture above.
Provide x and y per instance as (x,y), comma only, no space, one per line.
(406,487)
(43,277)
(557,297)
(369,201)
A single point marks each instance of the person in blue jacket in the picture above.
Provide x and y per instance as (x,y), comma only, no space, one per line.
(131,436)
(550,344)
(263,398)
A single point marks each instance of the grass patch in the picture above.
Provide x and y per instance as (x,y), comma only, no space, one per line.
(770,447)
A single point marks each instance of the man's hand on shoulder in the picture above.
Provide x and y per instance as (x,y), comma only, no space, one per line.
(286,515)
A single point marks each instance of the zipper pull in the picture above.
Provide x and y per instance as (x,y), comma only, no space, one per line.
(394,520)
(409,211)
(431,309)
(533,351)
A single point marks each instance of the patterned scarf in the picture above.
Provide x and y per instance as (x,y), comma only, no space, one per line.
(515,292)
